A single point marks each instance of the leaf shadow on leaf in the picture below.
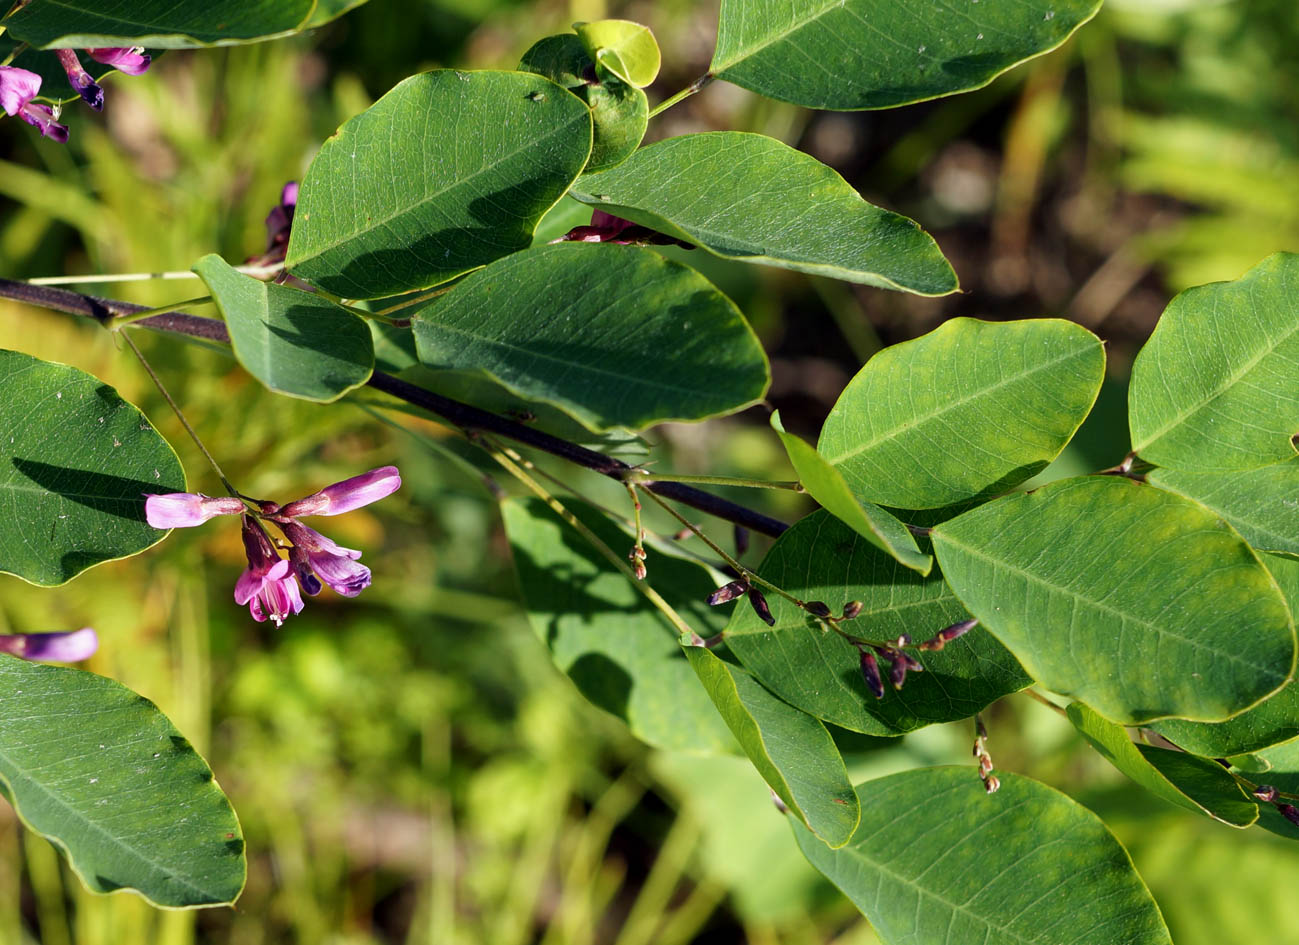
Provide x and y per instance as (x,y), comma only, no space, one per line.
(603,682)
(306,335)
(110,495)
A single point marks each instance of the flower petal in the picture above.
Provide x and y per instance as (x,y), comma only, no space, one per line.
(187,509)
(69,646)
(129,59)
(17,88)
(349,494)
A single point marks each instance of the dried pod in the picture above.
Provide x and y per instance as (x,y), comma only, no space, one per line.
(760,607)
(870,672)
(1289,812)
(727,592)
(818,608)
(852,609)
(1265,792)
(741,541)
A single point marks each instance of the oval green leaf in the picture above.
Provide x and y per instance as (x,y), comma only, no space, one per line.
(480,156)
(97,769)
(752,198)
(1262,504)
(1136,601)
(585,327)
(815,669)
(936,861)
(1271,722)
(968,410)
(159,24)
(626,49)
(824,483)
(1217,384)
(75,463)
(620,652)
(1187,781)
(294,342)
(791,750)
(1282,774)
(857,54)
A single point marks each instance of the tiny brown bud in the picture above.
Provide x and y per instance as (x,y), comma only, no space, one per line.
(992,784)
(638,568)
(985,765)
(1289,812)
(727,592)
(760,607)
(741,541)
(682,535)
(1265,792)
(852,609)
(817,608)
(780,805)
(870,671)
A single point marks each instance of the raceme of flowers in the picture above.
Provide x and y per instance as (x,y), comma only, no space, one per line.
(18,87)
(272,586)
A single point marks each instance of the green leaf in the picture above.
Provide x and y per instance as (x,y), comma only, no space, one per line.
(1136,601)
(1262,504)
(585,327)
(824,483)
(1187,781)
(1282,774)
(1271,722)
(294,342)
(329,10)
(480,157)
(620,112)
(75,463)
(968,410)
(752,198)
(791,750)
(818,671)
(1216,386)
(97,769)
(158,24)
(626,49)
(620,652)
(937,862)
(855,54)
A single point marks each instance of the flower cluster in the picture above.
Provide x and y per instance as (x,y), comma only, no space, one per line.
(18,87)
(272,586)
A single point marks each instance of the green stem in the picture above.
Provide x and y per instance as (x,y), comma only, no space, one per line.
(408,303)
(702,82)
(257,272)
(118,321)
(180,414)
(646,476)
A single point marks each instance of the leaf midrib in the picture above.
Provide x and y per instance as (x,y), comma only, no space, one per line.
(750,51)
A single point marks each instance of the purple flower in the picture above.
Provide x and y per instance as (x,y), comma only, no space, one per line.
(335,565)
(187,509)
(269,586)
(70,646)
(17,89)
(347,495)
(86,87)
(132,60)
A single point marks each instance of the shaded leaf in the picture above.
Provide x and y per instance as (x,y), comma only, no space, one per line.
(752,198)
(620,652)
(294,342)
(1262,504)
(585,327)
(1217,384)
(100,771)
(854,54)
(970,409)
(626,49)
(1188,781)
(935,861)
(824,483)
(815,669)
(328,10)
(75,463)
(161,24)
(1136,601)
(791,750)
(481,157)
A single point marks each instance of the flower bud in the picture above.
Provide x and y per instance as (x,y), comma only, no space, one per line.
(638,569)
(948,634)
(727,592)
(741,541)
(1289,812)
(1265,792)
(992,784)
(760,607)
(870,672)
(852,609)
(817,608)
(898,672)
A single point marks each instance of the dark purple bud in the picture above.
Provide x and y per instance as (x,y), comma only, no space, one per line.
(741,541)
(727,592)
(948,634)
(1265,793)
(852,609)
(760,607)
(913,664)
(870,672)
(818,608)
(898,672)
(302,567)
(1289,812)
(80,79)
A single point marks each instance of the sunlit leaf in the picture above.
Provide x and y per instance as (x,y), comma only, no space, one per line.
(626,49)
(162,24)
(1262,504)
(1136,601)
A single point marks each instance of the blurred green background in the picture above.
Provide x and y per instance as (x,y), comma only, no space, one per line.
(409,767)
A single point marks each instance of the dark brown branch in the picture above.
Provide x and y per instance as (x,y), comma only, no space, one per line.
(458,414)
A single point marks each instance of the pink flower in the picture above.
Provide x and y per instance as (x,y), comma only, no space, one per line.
(347,495)
(70,646)
(17,89)
(335,565)
(187,509)
(132,60)
(86,87)
(268,587)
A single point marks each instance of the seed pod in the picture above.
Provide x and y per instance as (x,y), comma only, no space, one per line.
(870,672)
(817,608)
(852,609)
(948,634)
(1265,792)
(760,607)
(727,592)
(1289,812)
